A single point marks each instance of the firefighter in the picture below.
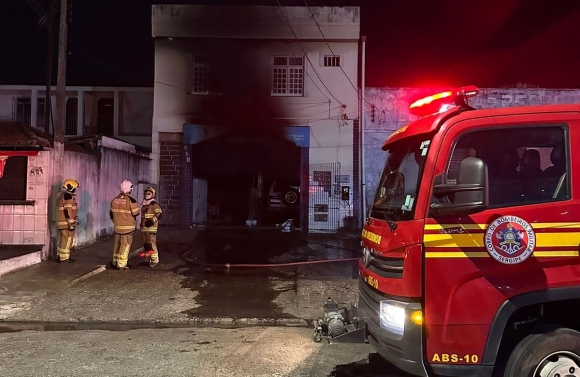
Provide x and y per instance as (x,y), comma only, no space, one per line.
(124,212)
(66,219)
(150,215)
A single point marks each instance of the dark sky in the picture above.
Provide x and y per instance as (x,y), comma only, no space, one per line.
(491,43)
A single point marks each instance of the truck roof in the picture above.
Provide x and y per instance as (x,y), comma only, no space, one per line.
(431,123)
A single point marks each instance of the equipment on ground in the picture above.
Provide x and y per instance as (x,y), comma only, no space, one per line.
(339,324)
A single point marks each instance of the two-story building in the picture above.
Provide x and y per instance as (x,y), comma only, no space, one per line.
(248,99)
(124,113)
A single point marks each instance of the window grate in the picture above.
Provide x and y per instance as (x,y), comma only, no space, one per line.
(332,61)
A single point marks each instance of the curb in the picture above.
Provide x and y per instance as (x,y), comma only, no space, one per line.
(20,262)
(226,323)
(97,270)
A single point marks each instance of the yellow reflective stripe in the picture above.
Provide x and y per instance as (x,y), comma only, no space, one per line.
(61,208)
(556,253)
(149,215)
(70,206)
(481,254)
(135,211)
(124,227)
(457,254)
(463,226)
(157,210)
(61,223)
(476,240)
(484,226)
(152,229)
(120,210)
(453,240)
(555,225)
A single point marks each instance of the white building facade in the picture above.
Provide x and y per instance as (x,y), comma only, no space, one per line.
(236,87)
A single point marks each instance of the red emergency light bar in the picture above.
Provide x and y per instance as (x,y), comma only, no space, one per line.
(443,101)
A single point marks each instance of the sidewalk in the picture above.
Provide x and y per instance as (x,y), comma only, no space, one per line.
(198,283)
(20,289)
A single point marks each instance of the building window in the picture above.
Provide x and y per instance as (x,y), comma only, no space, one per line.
(200,70)
(287,76)
(331,61)
(13,182)
(531,164)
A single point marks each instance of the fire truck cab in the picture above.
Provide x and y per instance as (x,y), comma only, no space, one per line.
(471,260)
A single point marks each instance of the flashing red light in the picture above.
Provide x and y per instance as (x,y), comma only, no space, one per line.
(436,103)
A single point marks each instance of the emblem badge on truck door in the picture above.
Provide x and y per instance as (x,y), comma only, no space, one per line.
(510,240)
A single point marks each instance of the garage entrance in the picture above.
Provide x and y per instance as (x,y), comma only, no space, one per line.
(248,177)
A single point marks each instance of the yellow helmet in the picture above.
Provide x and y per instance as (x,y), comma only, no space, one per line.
(151,190)
(70,185)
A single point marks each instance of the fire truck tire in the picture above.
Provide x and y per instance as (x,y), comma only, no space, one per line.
(552,352)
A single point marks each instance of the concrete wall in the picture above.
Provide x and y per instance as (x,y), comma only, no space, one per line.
(391,112)
(99,176)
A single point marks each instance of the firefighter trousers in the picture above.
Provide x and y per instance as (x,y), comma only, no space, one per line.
(150,243)
(65,241)
(121,249)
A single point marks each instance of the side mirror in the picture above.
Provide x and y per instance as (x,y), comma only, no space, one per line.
(468,195)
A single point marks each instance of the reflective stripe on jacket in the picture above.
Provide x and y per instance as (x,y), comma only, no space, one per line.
(152,212)
(124,210)
(66,214)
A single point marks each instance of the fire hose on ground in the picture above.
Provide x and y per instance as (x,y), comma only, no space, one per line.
(260,265)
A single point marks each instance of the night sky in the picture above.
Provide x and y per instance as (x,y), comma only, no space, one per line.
(413,43)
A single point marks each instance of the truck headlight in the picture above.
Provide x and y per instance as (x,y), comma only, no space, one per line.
(392,314)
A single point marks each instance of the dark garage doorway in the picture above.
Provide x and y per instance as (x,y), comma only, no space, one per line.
(235,166)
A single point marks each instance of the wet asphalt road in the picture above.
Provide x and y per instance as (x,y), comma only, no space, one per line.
(249,352)
(252,292)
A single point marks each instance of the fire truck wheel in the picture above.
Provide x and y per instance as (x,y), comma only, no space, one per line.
(551,353)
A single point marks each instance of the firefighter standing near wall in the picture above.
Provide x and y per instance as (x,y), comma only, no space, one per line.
(66,219)
(124,211)
(150,215)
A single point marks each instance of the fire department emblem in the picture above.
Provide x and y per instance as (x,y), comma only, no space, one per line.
(510,240)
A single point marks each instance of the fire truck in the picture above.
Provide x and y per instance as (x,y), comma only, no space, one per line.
(470,260)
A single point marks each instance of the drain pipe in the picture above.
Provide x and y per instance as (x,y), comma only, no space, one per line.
(362,132)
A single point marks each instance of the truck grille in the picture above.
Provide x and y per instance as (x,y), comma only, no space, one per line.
(387,267)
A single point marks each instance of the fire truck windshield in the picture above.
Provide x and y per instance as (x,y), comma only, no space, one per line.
(399,184)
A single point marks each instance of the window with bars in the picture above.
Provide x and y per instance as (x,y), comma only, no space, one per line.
(200,69)
(287,76)
(331,61)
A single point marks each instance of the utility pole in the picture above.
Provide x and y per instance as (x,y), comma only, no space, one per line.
(47,97)
(60,119)
(60,122)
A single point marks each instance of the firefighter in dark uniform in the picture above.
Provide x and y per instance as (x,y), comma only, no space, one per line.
(124,211)
(66,219)
(150,215)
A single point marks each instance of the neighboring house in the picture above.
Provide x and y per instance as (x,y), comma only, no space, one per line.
(123,113)
(245,96)
(24,195)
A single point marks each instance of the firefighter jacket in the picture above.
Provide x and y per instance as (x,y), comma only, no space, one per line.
(150,215)
(66,215)
(124,211)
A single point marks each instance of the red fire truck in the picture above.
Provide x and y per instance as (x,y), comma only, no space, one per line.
(471,260)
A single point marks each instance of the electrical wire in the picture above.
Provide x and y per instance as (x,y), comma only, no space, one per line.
(332,52)
(305,54)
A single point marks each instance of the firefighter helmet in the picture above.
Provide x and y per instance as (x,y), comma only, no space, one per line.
(151,190)
(70,186)
(126,187)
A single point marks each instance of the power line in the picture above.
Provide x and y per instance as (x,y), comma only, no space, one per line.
(305,54)
(332,52)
